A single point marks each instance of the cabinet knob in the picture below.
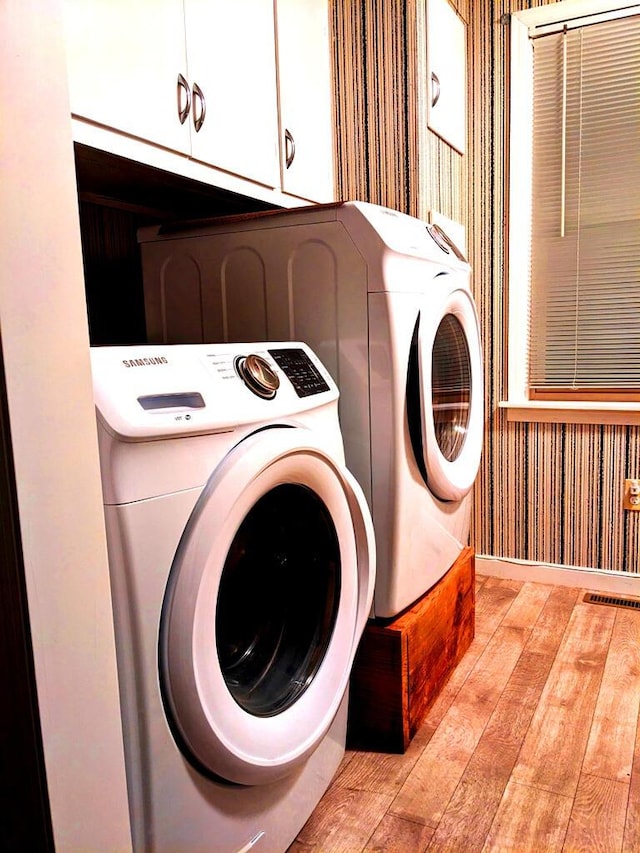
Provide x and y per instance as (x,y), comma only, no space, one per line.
(435,88)
(183,111)
(289,147)
(198,116)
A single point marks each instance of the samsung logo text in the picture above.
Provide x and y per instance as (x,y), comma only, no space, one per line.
(144,362)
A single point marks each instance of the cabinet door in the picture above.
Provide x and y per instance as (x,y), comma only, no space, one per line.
(231,59)
(446,61)
(306,99)
(123,62)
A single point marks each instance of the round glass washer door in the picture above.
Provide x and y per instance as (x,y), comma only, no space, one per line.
(451,388)
(267,597)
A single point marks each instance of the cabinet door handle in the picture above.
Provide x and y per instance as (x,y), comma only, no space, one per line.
(198,118)
(183,111)
(435,88)
(289,147)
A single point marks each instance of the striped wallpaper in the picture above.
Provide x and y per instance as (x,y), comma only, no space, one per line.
(548,493)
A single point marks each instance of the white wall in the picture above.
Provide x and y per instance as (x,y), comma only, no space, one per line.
(45,344)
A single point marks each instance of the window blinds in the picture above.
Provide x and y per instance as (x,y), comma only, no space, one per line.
(585,250)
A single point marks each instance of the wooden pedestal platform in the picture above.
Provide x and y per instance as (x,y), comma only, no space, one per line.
(402,665)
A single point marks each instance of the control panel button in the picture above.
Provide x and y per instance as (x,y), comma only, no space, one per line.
(257,375)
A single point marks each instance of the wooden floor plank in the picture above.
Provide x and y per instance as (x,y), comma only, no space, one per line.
(555,698)
(378,772)
(611,742)
(529,820)
(632,825)
(473,805)
(468,817)
(395,835)
(598,816)
(528,605)
(426,793)
(552,754)
(345,822)
(480,581)
(492,604)
(553,620)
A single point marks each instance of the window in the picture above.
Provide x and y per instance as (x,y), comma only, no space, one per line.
(575,207)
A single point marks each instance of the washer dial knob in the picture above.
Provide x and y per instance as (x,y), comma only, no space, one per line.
(258,375)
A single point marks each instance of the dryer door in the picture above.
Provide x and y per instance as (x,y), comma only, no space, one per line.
(451,388)
(268,594)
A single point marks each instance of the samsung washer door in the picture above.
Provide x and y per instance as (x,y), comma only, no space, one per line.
(268,594)
(451,388)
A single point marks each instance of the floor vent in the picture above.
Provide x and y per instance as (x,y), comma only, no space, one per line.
(612,601)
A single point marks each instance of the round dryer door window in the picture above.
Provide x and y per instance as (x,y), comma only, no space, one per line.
(451,389)
(451,386)
(267,597)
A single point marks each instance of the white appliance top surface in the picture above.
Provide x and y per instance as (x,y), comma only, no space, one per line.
(401,233)
(372,227)
(157,391)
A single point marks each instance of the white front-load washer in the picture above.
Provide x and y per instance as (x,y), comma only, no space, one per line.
(384,299)
(242,562)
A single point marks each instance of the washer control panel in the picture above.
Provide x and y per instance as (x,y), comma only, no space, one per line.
(157,391)
(300,371)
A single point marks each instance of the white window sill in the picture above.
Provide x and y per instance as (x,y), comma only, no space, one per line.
(541,411)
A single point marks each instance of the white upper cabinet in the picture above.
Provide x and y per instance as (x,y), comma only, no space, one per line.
(232,73)
(306,98)
(213,82)
(446,62)
(123,61)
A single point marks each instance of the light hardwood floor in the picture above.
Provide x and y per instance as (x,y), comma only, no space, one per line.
(531,746)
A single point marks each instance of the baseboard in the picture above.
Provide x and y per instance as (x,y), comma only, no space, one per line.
(598,580)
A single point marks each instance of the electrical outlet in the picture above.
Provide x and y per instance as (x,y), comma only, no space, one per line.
(631,494)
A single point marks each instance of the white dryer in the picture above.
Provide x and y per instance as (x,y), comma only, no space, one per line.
(384,300)
(242,564)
